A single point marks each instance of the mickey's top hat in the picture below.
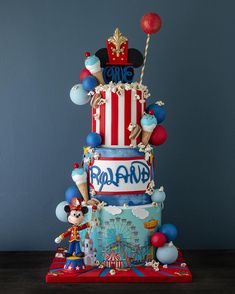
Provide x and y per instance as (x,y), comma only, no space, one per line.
(117,52)
(76,204)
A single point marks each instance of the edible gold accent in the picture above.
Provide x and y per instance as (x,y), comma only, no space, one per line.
(117,40)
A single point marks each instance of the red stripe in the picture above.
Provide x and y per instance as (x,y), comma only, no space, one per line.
(114,121)
(138,113)
(93,121)
(102,119)
(127,112)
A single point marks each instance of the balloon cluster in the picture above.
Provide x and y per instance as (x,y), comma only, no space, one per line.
(79,92)
(159,134)
(166,253)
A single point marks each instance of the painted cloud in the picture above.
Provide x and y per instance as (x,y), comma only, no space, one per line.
(139,212)
(113,210)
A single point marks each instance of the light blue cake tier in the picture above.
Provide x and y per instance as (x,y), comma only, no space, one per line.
(129,169)
(122,233)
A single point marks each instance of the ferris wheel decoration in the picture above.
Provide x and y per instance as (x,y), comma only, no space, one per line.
(119,237)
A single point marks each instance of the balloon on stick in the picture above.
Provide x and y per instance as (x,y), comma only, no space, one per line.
(150,24)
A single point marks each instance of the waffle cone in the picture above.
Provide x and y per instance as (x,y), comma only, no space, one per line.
(83,190)
(145,137)
(99,76)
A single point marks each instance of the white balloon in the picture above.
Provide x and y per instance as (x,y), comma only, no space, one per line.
(167,254)
(60,213)
(78,95)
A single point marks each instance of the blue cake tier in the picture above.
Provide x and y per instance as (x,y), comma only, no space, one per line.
(119,176)
(121,237)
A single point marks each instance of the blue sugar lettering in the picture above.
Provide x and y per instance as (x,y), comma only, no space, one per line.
(138,172)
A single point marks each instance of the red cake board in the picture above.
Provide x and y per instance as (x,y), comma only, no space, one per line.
(177,272)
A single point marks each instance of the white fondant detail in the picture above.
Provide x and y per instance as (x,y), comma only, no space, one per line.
(122,186)
(142,105)
(140,213)
(113,209)
(160,103)
(98,121)
(121,114)
(108,117)
(133,112)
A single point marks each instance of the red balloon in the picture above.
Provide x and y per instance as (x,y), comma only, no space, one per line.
(158,239)
(159,136)
(151,23)
(84,73)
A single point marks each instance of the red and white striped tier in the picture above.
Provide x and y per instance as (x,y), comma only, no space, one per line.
(111,119)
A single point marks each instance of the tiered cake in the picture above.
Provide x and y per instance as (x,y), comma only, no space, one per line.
(115,208)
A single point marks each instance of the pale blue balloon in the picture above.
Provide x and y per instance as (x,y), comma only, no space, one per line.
(60,213)
(158,196)
(167,254)
(78,95)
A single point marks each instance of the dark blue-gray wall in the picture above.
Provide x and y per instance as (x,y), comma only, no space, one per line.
(190,66)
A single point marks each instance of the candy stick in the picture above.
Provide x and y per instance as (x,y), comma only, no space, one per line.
(145,57)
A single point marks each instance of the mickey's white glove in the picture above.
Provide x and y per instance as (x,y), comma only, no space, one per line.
(58,240)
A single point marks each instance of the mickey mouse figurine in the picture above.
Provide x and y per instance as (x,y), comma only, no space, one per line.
(76,214)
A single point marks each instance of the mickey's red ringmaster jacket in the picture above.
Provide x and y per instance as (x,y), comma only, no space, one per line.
(73,232)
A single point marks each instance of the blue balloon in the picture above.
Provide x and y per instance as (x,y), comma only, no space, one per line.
(170,231)
(93,140)
(71,192)
(60,213)
(158,196)
(78,95)
(159,112)
(167,254)
(89,83)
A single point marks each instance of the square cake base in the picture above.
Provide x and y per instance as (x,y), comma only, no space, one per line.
(177,272)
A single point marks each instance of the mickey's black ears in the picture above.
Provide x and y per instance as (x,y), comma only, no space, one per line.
(135,57)
(102,54)
(84,210)
(67,208)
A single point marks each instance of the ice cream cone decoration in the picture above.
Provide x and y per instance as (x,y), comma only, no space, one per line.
(148,123)
(79,176)
(92,63)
